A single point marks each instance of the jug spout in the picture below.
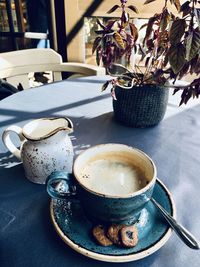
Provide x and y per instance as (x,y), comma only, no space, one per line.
(43,128)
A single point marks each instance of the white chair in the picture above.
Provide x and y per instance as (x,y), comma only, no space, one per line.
(16,66)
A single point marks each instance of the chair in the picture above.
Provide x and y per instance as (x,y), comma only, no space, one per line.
(15,66)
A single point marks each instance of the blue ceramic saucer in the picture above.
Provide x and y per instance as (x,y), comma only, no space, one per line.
(74,228)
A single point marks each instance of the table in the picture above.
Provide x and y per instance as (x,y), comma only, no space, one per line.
(27,236)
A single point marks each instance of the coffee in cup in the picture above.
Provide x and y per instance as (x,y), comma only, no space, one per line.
(113,182)
(111,173)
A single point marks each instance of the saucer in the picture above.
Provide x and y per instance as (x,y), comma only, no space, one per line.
(74,228)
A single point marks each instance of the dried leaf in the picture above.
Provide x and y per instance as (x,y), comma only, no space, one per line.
(176,56)
(148,1)
(192,44)
(177,30)
(117,37)
(96,43)
(134,31)
(115,7)
(133,8)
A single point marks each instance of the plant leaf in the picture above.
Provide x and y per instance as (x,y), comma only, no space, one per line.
(110,24)
(177,30)
(192,44)
(143,26)
(115,7)
(125,18)
(184,70)
(197,15)
(105,85)
(184,6)
(117,37)
(177,4)
(165,20)
(149,28)
(196,82)
(96,44)
(117,69)
(176,56)
(134,31)
(98,56)
(148,1)
(133,8)
(100,24)
(195,65)
(166,60)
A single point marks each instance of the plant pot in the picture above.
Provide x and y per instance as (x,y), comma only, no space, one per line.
(140,106)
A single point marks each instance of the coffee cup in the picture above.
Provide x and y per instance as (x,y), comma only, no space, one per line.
(113,182)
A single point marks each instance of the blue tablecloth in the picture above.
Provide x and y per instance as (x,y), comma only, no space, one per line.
(27,236)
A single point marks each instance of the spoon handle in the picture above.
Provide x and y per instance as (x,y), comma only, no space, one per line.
(184,234)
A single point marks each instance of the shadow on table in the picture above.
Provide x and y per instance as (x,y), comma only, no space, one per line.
(7,160)
(15,116)
(170,144)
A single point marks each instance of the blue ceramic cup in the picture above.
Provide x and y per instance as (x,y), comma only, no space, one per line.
(113,182)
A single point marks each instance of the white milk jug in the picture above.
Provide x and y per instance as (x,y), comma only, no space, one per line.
(45,147)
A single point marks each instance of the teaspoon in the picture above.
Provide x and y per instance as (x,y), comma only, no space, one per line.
(184,234)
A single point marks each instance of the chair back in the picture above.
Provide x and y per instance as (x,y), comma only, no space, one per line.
(17,66)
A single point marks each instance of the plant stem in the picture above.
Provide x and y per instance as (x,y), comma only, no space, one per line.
(136,66)
(191,25)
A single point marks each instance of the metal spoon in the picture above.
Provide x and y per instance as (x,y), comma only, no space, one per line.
(184,234)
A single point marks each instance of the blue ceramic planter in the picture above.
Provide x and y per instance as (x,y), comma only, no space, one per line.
(140,106)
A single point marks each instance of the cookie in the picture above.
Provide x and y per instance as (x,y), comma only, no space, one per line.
(129,236)
(99,233)
(113,233)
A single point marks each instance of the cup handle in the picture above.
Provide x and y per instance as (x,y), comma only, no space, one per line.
(9,144)
(61,185)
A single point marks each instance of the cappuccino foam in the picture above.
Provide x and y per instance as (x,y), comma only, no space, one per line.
(112,176)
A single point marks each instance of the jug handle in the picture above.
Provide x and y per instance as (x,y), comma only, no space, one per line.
(9,144)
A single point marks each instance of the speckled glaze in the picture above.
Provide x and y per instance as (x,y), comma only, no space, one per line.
(74,227)
(115,210)
(100,207)
(47,151)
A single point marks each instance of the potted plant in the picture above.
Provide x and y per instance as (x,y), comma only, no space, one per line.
(169,51)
